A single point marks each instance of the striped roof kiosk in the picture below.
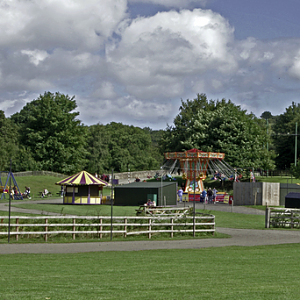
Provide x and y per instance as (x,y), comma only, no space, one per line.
(82,188)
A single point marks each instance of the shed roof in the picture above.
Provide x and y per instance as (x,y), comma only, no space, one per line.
(293,195)
(148,184)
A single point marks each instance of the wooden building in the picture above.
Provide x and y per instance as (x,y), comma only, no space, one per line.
(137,193)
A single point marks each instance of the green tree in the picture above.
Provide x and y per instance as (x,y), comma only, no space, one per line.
(156,136)
(130,147)
(99,156)
(284,136)
(119,147)
(219,126)
(9,145)
(295,170)
(49,128)
(266,115)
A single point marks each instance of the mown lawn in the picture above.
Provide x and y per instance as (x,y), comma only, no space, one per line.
(223,219)
(264,272)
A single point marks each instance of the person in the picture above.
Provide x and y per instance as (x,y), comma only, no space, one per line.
(12,193)
(27,192)
(149,202)
(62,191)
(45,193)
(214,195)
(203,196)
(180,194)
(15,190)
(210,195)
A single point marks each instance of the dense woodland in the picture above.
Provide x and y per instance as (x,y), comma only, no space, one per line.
(47,134)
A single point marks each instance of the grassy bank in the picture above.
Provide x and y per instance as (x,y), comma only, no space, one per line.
(38,183)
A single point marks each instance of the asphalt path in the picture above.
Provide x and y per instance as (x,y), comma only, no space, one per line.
(238,237)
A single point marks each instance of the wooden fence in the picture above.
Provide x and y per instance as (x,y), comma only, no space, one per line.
(100,227)
(282,217)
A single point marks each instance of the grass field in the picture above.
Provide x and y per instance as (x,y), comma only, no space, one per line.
(223,219)
(261,272)
(264,272)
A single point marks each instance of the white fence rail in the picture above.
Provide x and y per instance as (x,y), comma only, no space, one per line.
(282,217)
(99,227)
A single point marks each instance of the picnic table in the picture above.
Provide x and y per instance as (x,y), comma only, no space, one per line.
(163,211)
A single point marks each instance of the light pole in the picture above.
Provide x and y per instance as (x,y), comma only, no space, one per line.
(111,204)
(161,186)
(296,144)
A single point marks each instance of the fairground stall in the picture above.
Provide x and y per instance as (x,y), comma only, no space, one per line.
(82,188)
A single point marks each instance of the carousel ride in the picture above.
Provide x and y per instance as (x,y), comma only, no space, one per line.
(195,165)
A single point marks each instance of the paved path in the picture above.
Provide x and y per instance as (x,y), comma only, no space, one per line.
(5,207)
(239,237)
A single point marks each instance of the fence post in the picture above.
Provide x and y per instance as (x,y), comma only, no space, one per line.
(149,229)
(125,227)
(46,230)
(100,228)
(17,229)
(267,217)
(172,222)
(292,219)
(74,222)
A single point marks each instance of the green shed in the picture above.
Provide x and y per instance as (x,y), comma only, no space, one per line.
(137,193)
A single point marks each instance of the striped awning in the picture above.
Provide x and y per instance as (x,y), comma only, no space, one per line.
(82,178)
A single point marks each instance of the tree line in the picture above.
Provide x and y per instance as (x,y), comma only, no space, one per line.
(48,135)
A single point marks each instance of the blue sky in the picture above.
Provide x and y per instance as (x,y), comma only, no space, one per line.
(132,61)
(262,19)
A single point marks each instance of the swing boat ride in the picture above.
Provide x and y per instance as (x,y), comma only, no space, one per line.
(194,165)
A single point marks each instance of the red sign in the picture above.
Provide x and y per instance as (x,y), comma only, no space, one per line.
(194,196)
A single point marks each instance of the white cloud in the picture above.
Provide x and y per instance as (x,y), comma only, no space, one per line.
(35,56)
(160,51)
(172,3)
(105,91)
(294,70)
(56,23)
(122,109)
(136,71)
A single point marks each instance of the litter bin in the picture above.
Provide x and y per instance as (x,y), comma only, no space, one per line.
(292,200)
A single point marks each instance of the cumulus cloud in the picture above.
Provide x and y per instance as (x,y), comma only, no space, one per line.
(35,56)
(55,23)
(136,71)
(158,52)
(50,43)
(122,109)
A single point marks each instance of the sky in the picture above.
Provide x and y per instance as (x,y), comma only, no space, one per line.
(134,61)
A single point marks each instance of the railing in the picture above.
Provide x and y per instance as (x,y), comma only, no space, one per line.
(282,217)
(100,227)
